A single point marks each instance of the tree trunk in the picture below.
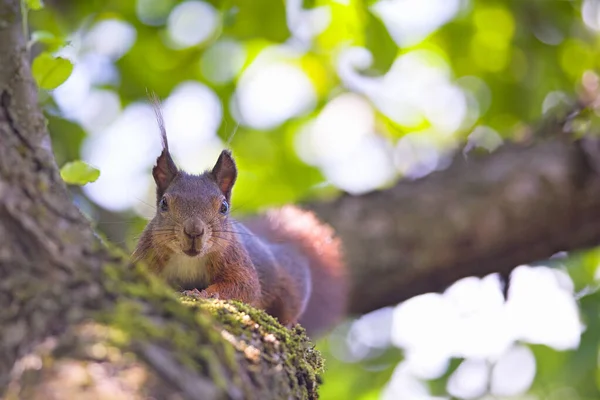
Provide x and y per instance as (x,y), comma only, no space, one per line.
(77,322)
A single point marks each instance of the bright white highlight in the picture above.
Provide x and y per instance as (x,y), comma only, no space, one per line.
(191,23)
(409,22)
(192,114)
(514,373)
(417,154)
(483,137)
(123,153)
(101,108)
(342,142)
(111,38)
(127,149)
(470,379)
(403,385)
(223,61)
(471,320)
(271,92)
(338,130)
(542,308)
(554,99)
(590,10)
(306,24)
(416,88)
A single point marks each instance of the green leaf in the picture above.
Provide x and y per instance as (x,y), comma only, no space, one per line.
(79,173)
(34,4)
(50,72)
(52,42)
(42,36)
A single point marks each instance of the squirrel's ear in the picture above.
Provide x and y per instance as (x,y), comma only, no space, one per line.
(225,172)
(164,172)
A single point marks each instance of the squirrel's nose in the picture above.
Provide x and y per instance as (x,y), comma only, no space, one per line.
(193,229)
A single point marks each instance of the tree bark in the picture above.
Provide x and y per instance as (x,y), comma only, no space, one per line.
(78,322)
(521,204)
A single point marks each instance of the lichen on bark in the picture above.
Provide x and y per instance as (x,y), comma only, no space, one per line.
(156,343)
(230,343)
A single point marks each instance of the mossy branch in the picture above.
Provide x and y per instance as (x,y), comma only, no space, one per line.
(153,343)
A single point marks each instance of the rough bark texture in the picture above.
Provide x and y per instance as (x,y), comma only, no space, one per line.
(77,322)
(523,203)
(44,240)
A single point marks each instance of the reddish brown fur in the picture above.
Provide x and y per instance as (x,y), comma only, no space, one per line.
(317,242)
(231,282)
(288,263)
(198,197)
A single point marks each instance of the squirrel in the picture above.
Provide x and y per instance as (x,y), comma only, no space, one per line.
(285,262)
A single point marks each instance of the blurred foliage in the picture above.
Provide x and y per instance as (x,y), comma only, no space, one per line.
(519,51)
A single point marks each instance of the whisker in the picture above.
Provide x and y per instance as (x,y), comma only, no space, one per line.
(232,134)
(125,221)
(163,230)
(144,202)
(240,206)
(239,233)
(227,240)
(220,245)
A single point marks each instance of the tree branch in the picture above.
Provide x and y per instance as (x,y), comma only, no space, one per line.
(482,215)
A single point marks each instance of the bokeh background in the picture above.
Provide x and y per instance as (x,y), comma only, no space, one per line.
(327,96)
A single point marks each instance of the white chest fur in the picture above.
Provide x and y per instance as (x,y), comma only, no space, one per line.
(181,269)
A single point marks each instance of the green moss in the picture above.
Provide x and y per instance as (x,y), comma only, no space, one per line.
(291,348)
(222,340)
(146,310)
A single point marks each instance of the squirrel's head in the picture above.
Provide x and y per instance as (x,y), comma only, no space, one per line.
(192,210)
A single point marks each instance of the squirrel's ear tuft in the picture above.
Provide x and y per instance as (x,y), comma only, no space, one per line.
(225,173)
(164,172)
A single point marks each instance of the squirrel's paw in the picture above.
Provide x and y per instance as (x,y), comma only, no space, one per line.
(192,293)
(200,294)
(206,295)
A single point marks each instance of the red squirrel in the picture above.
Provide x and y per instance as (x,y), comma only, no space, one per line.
(286,262)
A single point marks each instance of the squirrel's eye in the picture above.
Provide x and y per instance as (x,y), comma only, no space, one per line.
(163,204)
(224,207)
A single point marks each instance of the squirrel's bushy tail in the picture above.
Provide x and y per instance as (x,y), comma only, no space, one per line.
(317,241)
